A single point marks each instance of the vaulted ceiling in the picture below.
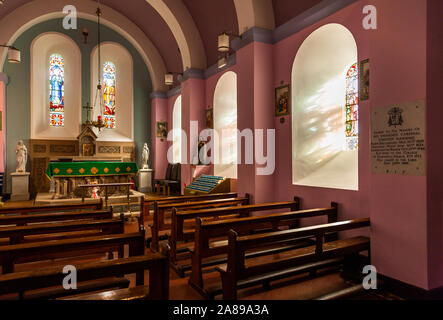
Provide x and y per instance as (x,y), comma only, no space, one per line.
(185,31)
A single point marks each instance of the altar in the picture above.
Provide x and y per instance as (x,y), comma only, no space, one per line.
(67,177)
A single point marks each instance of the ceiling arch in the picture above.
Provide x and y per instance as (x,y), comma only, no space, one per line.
(32,13)
(254,13)
(185,31)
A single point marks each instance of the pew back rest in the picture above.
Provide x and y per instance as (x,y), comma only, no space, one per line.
(239,245)
(207,231)
(53,208)
(53,276)
(55,216)
(178,218)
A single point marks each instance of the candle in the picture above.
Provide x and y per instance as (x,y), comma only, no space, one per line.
(99,118)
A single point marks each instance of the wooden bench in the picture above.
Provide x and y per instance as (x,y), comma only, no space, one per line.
(178,219)
(22,220)
(70,248)
(159,223)
(211,239)
(61,230)
(157,264)
(145,204)
(242,270)
(53,208)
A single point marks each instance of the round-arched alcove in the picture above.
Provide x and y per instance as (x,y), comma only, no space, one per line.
(320,84)
(225,124)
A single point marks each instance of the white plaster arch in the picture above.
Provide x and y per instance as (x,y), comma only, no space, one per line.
(42,47)
(184,29)
(254,13)
(34,12)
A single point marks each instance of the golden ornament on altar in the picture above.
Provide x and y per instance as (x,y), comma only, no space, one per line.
(81,170)
(117,170)
(56,170)
(69,171)
(106,170)
(128,169)
(94,170)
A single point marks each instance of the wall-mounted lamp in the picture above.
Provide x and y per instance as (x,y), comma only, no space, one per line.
(222,61)
(224,44)
(85,33)
(13,54)
(169,78)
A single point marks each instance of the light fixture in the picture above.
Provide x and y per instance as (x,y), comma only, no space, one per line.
(223,42)
(85,33)
(13,54)
(222,61)
(169,77)
(99,93)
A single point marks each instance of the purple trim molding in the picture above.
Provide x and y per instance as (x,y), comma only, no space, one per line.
(174,91)
(309,17)
(4,78)
(193,74)
(158,95)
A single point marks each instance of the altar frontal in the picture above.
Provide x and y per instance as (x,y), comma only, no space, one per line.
(66,177)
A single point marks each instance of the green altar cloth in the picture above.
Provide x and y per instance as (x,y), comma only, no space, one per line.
(84,169)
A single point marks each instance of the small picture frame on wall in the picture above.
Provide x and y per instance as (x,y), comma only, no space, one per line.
(364,80)
(210,118)
(162,129)
(283,100)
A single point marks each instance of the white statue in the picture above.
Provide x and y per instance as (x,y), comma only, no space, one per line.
(21,156)
(145,157)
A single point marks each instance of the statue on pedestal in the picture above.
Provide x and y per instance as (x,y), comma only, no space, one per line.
(145,157)
(21,156)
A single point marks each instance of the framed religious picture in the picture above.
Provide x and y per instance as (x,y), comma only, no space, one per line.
(209,118)
(364,80)
(282,101)
(162,129)
(88,150)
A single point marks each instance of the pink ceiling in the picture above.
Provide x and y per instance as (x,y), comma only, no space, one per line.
(285,10)
(210,16)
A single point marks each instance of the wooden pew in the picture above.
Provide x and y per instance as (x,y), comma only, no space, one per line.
(157,264)
(53,208)
(62,230)
(70,248)
(145,204)
(178,219)
(210,239)
(159,224)
(240,270)
(22,220)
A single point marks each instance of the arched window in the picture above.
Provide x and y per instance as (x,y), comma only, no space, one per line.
(177,127)
(325,110)
(109,94)
(225,124)
(56,91)
(352,108)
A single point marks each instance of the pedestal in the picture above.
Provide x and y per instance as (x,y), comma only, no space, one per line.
(20,186)
(144,180)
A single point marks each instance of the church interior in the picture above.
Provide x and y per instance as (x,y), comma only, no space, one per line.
(221,150)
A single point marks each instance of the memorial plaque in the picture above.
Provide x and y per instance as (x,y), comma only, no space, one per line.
(398,139)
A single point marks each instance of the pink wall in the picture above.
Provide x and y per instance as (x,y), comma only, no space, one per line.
(402,247)
(159,112)
(434,145)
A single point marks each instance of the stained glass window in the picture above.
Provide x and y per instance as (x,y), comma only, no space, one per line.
(352,108)
(56,91)
(109,94)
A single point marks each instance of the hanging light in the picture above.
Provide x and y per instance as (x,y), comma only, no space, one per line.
(99,93)
(169,79)
(223,42)
(14,55)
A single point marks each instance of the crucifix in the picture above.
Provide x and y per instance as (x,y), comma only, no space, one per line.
(88,110)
